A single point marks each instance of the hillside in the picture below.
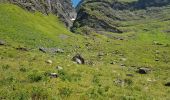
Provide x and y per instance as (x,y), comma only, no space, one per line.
(37,57)
(114,15)
(61,8)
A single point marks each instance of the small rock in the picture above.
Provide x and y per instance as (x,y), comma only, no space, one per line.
(156,59)
(2,42)
(167,84)
(78,59)
(131,75)
(43,50)
(53,75)
(113,63)
(144,70)
(101,54)
(59,68)
(49,61)
(157,43)
(123,59)
(22,49)
(51,50)
(123,65)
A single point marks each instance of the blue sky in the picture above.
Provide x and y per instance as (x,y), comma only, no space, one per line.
(75,2)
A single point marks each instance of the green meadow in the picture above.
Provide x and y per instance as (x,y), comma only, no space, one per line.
(112,60)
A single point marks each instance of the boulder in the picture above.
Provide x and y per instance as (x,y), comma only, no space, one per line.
(49,61)
(59,68)
(144,70)
(53,75)
(78,59)
(2,42)
(167,84)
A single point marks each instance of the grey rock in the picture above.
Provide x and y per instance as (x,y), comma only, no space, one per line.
(2,42)
(78,59)
(49,61)
(59,68)
(53,75)
(144,70)
(51,50)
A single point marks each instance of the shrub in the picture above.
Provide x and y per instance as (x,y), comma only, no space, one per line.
(35,77)
(65,92)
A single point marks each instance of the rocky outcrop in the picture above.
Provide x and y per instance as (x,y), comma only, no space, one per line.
(61,8)
(106,15)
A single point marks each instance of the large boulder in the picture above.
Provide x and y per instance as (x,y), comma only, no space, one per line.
(78,59)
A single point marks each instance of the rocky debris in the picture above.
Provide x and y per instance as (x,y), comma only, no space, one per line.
(78,59)
(167,84)
(51,50)
(49,61)
(144,70)
(53,75)
(59,68)
(22,49)
(2,42)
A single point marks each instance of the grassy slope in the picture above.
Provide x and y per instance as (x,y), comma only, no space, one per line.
(31,30)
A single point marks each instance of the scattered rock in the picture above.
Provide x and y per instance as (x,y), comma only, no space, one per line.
(167,84)
(53,75)
(22,49)
(156,59)
(144,70)
(123,59)
(130,75)
(59,68)
(78,59)
(113,63)
(2,42)
(51,50)
(122,65)
(49,61)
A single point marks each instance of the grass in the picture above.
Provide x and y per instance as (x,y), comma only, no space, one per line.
(24,74)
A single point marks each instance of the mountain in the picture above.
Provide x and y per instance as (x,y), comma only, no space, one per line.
(108,15)
(61,8)
(120,50)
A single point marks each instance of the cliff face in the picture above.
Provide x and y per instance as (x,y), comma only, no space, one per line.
(108,15)
(61,8)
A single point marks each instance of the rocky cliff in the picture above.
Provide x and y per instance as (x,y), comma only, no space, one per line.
(108,15)
(61,8)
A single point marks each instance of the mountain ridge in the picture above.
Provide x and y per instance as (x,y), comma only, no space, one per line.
(103,15)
